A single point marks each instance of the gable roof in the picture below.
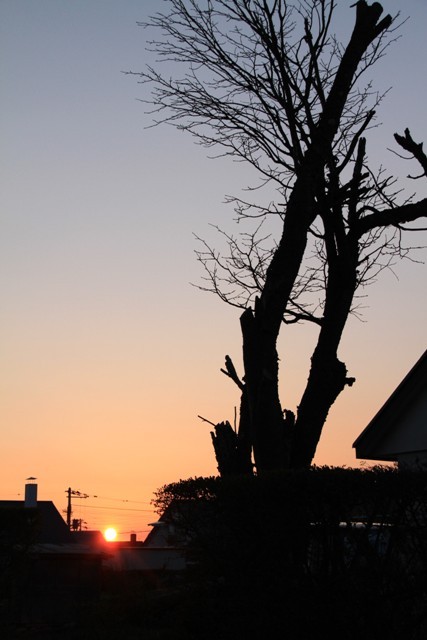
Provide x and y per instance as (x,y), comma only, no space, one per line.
(179,523)
(49,526)
(159,536)
(411,390)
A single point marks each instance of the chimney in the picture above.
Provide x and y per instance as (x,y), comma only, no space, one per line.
(30,494)
(133,538)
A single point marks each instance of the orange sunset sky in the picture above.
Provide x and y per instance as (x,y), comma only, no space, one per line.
(108,354)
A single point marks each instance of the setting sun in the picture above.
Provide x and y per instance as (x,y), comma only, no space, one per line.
(110,534)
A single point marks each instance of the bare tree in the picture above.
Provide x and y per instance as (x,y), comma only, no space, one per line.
(267,82)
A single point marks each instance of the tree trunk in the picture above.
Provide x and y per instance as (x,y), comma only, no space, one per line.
(260,327)
(328,375)
(265,416)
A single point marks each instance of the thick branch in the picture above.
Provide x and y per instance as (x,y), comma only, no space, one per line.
(230,371)
(393,217)
(416,149)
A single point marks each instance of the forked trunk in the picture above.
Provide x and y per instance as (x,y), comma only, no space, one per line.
(265,426)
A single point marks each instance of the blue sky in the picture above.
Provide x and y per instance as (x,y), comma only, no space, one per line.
(108,353)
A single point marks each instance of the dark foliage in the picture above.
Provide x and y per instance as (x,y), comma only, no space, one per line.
(330,551)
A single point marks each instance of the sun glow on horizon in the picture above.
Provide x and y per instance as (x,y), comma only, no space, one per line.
(110,534)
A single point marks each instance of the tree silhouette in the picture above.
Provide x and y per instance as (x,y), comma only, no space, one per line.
(268,83)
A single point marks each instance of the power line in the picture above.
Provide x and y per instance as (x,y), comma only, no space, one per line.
(95,506)
(121,499)
(134,531)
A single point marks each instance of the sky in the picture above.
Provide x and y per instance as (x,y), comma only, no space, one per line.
(108,353)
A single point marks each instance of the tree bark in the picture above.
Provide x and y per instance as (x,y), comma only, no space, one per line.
(266,426)
(261,326)
(328,375)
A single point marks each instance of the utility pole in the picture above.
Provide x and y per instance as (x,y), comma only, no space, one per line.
(69,508)
(77,494)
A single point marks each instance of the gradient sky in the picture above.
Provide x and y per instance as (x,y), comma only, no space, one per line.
(108,354)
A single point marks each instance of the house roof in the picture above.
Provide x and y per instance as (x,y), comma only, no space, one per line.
(411,388)
(49,525)
(93,538)
(158,535)
(177,523)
